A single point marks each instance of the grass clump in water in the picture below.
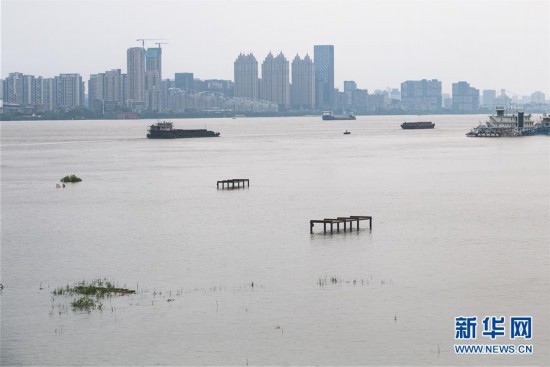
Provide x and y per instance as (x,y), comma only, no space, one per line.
(91,293)
(86,304)
(71,179)
(98,288)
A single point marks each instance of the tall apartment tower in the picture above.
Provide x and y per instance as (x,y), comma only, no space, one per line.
(302,90)
(489,96)
(14,88)
(350,87)
(465,98)
(422,95)
(246,76)
(69,90)
(114,87)
(153,78)
(136,74)
(96,92)
(275,85)
(184,81)
(324,76)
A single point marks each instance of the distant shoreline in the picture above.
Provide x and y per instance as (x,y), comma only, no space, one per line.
(167,116)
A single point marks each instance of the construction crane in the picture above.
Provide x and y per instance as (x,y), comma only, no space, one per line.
(161,43)
(148,39)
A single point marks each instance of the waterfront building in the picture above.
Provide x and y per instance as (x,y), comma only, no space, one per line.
(349,94)
(324,76)
(275,80)
(465,98)
(184,81)
(96,92)
(421,95)
(136,76)
(447,101)
(114,87)
(395,94)
(14,89)
(302,90)
(29,96)
(69,91)
(361,99)
(246,76)
(48,94)
(225,87)
(538,98)
(489,96)
(503,99)
(153,78)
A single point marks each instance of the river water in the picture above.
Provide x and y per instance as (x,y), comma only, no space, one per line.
(234,277)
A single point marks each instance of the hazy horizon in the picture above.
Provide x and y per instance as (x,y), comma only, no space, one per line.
(379,44)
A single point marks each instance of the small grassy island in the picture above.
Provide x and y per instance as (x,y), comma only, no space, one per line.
(72,178)
(91,293)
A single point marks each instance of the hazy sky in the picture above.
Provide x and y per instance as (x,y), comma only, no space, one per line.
(379,44)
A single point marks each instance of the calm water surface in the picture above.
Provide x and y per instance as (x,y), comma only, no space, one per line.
(461,227)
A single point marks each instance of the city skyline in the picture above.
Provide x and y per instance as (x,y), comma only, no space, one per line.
(378,45)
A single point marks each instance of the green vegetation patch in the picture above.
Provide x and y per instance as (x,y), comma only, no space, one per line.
(91,293)
(86,304)
(71,179)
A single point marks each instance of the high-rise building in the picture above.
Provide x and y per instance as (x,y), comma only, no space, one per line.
(246,76)
(69,90)
(39,92)
(114,87)
(302,90)
(421,95)
(136,75)
(153,78)
(14,88)
(465,98)
(48,94)
(349,94)
(538,97)
(275,80)
(29,96)
(185,81)
(489,96)
(96,92)
(361,99)
(324,76)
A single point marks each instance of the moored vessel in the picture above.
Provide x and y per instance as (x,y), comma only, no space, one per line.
(540,128)
(503,124)
(165,130)
(418,125)
(329,116)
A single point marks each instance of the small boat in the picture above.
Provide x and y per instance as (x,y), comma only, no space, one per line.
(347,132)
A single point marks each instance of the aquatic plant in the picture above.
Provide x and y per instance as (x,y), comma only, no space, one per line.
(72,178)
(98,288)
(91,293)
(85,304)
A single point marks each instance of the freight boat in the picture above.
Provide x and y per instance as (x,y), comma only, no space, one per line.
(330,116)
(540,128)
(503,124)
(418,125)
(165,130)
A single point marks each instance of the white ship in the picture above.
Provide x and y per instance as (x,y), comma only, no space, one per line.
(503,124)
